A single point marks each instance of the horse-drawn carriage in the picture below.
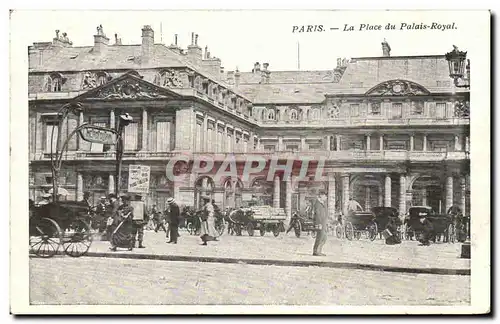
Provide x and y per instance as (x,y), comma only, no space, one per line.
(383,216)
(443,224)
(62,224)
(357,223)
(261,218)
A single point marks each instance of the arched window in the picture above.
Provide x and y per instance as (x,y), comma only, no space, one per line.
(294,115)
(204,187)
(102,78)
(54,82)
(271,115)
(315,114)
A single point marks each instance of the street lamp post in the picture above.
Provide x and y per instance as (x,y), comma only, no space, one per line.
(124,120)
(56,157)
(460,73)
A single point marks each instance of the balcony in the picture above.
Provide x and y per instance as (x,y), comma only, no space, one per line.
(360,122)
(347,156)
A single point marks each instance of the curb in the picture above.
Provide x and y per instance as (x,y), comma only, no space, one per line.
(285,263)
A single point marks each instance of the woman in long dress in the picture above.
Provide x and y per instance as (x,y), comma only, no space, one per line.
(208,232)
(122,234)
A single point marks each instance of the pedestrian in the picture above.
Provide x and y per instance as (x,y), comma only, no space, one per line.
(392,228)
(353,205)
(122,234)
(139,223)
(293,221)
(174,219)
(111,212)
(427,231)
(86,199)
(158,220)
(208,232)
(320,222)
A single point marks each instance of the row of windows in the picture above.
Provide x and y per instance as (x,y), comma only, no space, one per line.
(395,111)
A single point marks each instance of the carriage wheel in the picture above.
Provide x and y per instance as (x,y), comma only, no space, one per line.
(262,229)
(372,231)
(77,238)
(45,238)
(349,231)
(338,231)
(451,234)
(297,228)
(250,229)
(276,230)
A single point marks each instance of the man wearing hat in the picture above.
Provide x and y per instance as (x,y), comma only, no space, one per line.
(427,231)
(174,219)
(138,229)
(320,222)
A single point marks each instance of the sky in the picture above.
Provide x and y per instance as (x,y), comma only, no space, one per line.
(241,38)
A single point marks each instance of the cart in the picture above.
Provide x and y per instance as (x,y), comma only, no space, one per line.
(358,223)
(63,224)
(261,218)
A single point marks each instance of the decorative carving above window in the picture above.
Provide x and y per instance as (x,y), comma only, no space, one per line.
(375,108)
(417,108)
(168,79)
(334,112)
(462,109)
(397,88)
(54,82)
(128,89)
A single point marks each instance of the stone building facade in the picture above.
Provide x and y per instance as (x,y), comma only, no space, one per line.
(391,131)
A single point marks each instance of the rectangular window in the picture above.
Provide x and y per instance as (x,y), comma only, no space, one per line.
(440,110)
(163,136)
(292,147)
(417,108)
(375,108)
(397,110)
(270,148)
(213,143)
(49,139)
(97,147)
(131,134)
(245,146)
(230,144)
(316,146)
(219,141)
(198,139)
(354,110)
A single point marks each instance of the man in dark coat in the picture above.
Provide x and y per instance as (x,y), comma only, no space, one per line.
(174,219)
(320,213)
(427,231)
(392,225)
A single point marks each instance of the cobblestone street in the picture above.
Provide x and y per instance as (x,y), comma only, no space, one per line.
(290,248)
(63,280)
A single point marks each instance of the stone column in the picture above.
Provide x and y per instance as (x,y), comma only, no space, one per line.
(337,138)
(112,119)
(462,194)
(387,191)
(402,194)
(280,143)
(381,142)
(380,197)
(79,186)
(276,195)
(367,200)
(233,184)
(303,144)
(457,143)
(331,195)
(424,197)
(328,143)
(425,143)
(449,192)
(288,199)
(412,142)
(144,129)
(467,144)
(345,192)
(368,142)
(80,139)
(111,183)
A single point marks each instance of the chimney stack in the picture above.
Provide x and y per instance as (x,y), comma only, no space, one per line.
(148,42)
(174,47)
(194,52)
(61,41)
(237,75)
(101,42)
(118,41)
(386,49)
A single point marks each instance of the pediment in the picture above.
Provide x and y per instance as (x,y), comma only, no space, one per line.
(397,88)
(128,87)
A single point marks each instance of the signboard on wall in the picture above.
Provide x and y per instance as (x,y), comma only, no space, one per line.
(98,134)
(138,179)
